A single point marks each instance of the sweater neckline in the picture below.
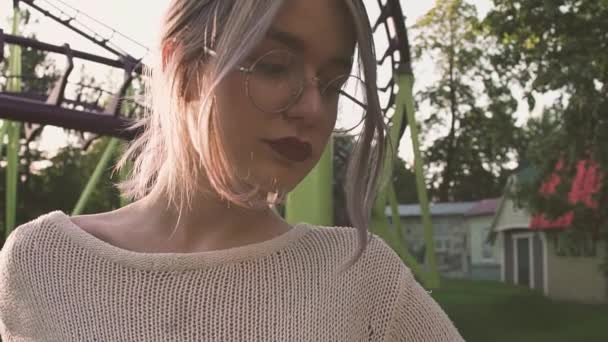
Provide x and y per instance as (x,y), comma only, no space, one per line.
(174,261)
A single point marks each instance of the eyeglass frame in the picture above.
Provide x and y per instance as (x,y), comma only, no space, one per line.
(316,79)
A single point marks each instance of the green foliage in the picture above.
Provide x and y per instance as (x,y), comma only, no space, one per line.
(560,46)
(343,146)
(55,183)
(38,72)
(404,179)
(43,188)
(47,183)
(471,132)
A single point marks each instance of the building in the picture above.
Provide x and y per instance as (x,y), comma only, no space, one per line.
(450,235)
(484,256)
(537,253)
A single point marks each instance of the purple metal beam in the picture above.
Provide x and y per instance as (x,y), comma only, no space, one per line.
(392,9)
(27,42)
(1,45)
(20,109)
(69,103)
(399,44)
(67,23)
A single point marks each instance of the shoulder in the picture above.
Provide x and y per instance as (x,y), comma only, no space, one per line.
(378,283)
(21,234)
(15,254)
(378,263)
(20,256)
(28,238)
(402,309)
(348,238)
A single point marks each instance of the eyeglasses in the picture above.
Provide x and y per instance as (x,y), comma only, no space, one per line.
(275,82)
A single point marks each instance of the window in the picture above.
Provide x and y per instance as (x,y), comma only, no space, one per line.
(487,250)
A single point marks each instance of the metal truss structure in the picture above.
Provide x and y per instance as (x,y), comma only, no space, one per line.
(113,119)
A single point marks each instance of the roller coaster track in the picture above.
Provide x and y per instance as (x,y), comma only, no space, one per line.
(111,121)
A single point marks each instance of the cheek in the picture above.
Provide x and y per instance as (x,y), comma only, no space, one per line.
(234,113)
(230,97)
(243,126)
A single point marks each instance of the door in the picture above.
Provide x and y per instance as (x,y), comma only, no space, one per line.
(522,266)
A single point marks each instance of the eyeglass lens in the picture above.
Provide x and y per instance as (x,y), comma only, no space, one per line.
(276,81)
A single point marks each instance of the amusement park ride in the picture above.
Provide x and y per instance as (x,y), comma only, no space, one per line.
(24,115)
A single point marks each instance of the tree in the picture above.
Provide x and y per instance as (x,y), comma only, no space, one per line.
(43,188)
(343,146)
(404,181)
(56,183)
(38,72)
(559,46)
(470,133)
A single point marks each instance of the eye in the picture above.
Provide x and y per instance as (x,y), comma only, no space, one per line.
(271,69)
(275,65)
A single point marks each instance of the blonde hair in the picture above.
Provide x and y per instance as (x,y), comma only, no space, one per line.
(181,141)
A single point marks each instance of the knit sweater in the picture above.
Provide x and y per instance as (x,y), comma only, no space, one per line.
(60,283)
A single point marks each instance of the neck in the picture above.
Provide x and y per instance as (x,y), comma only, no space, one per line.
(210,224)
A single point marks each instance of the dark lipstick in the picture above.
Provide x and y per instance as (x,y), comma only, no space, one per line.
(291,148)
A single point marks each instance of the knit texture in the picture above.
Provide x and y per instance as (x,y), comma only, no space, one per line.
(60,283)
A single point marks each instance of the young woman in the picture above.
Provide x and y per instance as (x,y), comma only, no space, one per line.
(243,101)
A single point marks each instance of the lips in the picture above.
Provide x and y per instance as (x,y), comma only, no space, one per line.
(291,148)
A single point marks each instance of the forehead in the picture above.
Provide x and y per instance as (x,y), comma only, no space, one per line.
(320,29)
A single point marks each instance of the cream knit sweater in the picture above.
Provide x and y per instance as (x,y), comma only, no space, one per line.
(59,283)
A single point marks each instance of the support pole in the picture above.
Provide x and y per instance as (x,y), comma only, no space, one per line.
(380,224)
(432,276)
(13,129)
(128,168)
(395,218)
(103,163)
(405,104)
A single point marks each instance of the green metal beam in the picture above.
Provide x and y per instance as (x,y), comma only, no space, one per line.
(90,187)
(12,175)
(13,129)
(380,225)
(126,170)
(432,276)
(395,218)
(395,237)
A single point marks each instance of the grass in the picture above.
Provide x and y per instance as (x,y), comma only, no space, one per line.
(497,312)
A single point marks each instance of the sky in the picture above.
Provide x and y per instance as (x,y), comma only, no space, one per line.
(140,23)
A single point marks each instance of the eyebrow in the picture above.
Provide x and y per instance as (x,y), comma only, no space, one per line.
(299,45)
(287,39)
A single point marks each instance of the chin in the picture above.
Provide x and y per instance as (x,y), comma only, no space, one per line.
(272,175)
(284,182)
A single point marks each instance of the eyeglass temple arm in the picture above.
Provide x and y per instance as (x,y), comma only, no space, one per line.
(353,99)
(212,53)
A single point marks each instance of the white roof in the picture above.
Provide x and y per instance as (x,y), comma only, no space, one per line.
(437,209)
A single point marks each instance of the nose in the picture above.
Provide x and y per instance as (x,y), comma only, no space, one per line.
(310,102)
